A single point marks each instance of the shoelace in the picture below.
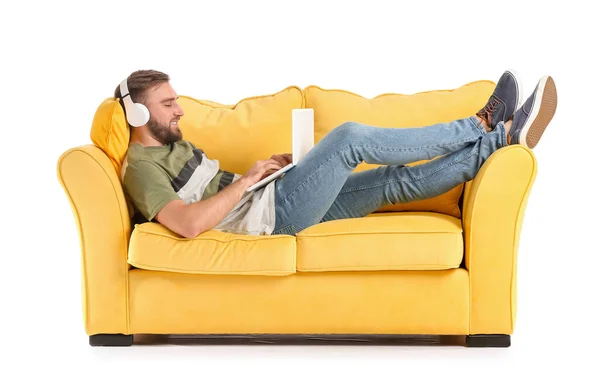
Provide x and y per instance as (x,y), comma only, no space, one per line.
(488,110)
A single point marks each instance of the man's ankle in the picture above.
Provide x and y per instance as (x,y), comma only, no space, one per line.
(507,126)
(484,124)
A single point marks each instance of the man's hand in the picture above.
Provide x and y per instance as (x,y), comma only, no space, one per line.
(259,169)
(284,159)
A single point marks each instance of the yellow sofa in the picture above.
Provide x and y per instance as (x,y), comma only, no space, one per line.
(443,266)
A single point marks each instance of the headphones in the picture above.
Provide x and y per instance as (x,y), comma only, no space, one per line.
(137,114)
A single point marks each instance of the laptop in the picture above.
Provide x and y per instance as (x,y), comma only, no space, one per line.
(303,140)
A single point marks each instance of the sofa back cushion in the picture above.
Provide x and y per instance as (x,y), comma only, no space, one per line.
(110,131)
(333,107)
(239,135)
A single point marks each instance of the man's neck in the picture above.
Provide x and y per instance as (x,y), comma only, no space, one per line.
(144,140)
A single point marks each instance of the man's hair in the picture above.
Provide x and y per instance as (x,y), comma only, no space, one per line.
(139,82)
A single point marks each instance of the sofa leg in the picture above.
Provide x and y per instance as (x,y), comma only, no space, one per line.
(111,340)
(488,340)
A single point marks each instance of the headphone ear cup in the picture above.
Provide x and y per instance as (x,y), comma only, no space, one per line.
(141,115)
(137,114)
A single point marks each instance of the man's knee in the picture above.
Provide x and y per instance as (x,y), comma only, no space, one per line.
(347,125)
(350,130)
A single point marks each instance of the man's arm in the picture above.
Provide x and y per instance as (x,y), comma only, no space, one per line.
(195,218)
(189,220)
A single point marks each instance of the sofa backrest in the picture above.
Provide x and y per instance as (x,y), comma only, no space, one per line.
(392,110)
(257,127)
(239,135)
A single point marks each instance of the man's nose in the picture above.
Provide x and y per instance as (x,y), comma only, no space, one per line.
(178,111)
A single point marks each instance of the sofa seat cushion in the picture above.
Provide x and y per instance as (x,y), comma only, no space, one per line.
(154,247)
(382,241)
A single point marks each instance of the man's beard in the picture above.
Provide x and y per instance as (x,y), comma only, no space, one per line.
(163,133)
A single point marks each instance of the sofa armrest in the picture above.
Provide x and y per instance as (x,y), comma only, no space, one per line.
(494,205)
(101,214)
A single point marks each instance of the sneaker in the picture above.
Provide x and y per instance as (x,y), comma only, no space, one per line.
(504,101)
(533,117)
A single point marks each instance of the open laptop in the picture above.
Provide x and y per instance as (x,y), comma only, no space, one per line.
(303,140)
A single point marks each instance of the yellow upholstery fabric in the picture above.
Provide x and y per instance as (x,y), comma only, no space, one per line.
(239,135)
(110,131)
(383,241)
(98,205)
(154,247)
(367,302)
(494,207)
(333,107)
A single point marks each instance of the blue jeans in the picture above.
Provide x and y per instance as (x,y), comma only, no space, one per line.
(322,187)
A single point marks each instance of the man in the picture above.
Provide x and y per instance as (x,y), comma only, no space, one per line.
(172,182)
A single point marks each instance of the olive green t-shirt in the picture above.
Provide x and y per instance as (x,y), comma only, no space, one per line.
(155,175)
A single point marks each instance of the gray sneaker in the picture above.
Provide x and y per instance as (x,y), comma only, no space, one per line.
(504,101)
(532,118)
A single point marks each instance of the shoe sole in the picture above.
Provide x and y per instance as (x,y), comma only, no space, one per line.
(544,107)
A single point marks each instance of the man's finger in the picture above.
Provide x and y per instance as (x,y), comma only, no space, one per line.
(288,157)
(279,159)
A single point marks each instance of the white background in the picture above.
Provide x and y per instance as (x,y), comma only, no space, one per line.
(60,60)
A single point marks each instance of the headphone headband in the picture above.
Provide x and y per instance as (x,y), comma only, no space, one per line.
(124,89)
(137,114)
